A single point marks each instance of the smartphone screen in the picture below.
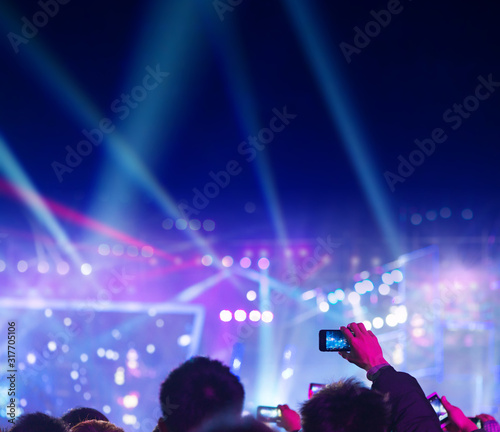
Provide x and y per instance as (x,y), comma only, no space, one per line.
(438,407)
(268,414)
(314,388)
(333,340)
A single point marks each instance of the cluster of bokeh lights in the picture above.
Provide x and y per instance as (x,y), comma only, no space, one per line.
(228,261)
(240,315)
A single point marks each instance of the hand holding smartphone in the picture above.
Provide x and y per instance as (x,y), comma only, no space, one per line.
(439,409)
(268,414)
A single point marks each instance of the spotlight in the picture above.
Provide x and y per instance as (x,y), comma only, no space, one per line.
(86,269)
(207,260)
(225,316)
(227,261)
(245,262)
(378,322)
(240,315)
(184,340)
(254,315)
(263,263)
(251,295)
(324,306)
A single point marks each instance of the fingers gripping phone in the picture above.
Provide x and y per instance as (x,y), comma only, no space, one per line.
(438,408)
(268,414)
(333,340)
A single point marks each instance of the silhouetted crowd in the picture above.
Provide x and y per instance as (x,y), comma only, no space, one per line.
(202,395)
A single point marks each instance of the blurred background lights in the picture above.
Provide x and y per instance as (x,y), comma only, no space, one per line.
(401,314)
(324,306)
(2,265)
(184,340)
(225,315)
(101,352)
(130,401)
(384,289)
(332,298)
(391,320)
(194,224)
(48,313)
(236,363)
(167,224)
(147,251)
(208,225)
(52,346)
(120,376)
(87,396)
(431,215)
(445,213)
(467,214)
(116,334)
(106,409)
(387,278)
(181,224)
(227,261)
(251,295)
(67,321)
(103,249)
(397,275)
(118,250)
(22,266)
(340,294)
(267,316)
(84,357)
(416,219)
(263,263)
(364,275)
(207,260)
(378,323)
(359,288)
(354,298)
(86,269)
(368,324)
(62,268)
(74,375)
(240,315)
(159,322)
(129,419)
(254,316)
(287,373)
(150,348)
(31,358)
(43,267)
(245,262)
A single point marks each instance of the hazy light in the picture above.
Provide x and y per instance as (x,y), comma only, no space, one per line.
(86,269)
(194,224)
(167,224)
(378,323)
(359,287)
(401,314)
(101,352)
(251,295)
(150,348)
(445,213)
(308,295)
(67,321)
(43,267)
(384,289)
(387,279)
(74,375)
(227,261)
(354,298)
(106,409)
(181,224)
(263,263)
(467,214)
(368,285)
(397,275)
(245,262)
(184,340)
(130,401)
(254,315)
(31,358)
(48,313)
(225,315)
(132,251)
(418,332)
(159,322)
(267,316)
(2,265)
(129,419)
(324,306)
(84,358)
(208,225)
(391,320)
(240,315)
(340,294)
(431,215)
(118,250)
(332,298)
(364,275)
(287,373)
(52,346)
(207,260)
(368,325)
(62,267)
(22,266)
(147,251)
(236,363)
(416,219)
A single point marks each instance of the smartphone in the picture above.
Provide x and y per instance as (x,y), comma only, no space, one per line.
(268,414)
(477,421)
(438,408)
(314,388)
(333,340)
